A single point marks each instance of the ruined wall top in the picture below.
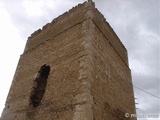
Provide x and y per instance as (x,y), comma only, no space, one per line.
(73,10)
(70,18)
(64,15)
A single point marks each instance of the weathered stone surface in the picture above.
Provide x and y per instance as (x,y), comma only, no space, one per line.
(89,76)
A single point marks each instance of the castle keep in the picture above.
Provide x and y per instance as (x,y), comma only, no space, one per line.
(74,68)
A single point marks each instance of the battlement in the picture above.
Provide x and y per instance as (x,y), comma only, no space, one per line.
(56,26)
(70,18)
(59,18)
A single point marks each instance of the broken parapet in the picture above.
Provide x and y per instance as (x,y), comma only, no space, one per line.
(54,21)
(75,15)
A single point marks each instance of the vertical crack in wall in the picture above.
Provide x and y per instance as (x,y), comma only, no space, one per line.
(38,91)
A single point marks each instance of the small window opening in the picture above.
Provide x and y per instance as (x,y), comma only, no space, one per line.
(40,85)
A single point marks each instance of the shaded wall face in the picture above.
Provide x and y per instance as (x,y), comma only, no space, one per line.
(63,54)
(39,86)
(112,86)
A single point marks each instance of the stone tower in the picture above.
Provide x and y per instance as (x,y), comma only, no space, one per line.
(74,68)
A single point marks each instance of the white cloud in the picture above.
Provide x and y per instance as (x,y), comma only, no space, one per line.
(33,8)
(11,46)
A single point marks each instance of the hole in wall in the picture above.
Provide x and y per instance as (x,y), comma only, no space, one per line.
(40,86)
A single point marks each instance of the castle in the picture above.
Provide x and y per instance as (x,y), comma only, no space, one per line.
(74,68)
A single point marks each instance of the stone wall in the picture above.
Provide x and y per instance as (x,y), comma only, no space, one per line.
(112,86)
(75,15)
(63,54)
(89,76)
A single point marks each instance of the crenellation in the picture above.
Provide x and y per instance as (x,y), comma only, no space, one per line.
(54,21)
(46,26)
(36,32)
(63,16)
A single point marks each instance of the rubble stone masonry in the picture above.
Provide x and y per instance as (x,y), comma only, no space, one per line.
(87,77)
